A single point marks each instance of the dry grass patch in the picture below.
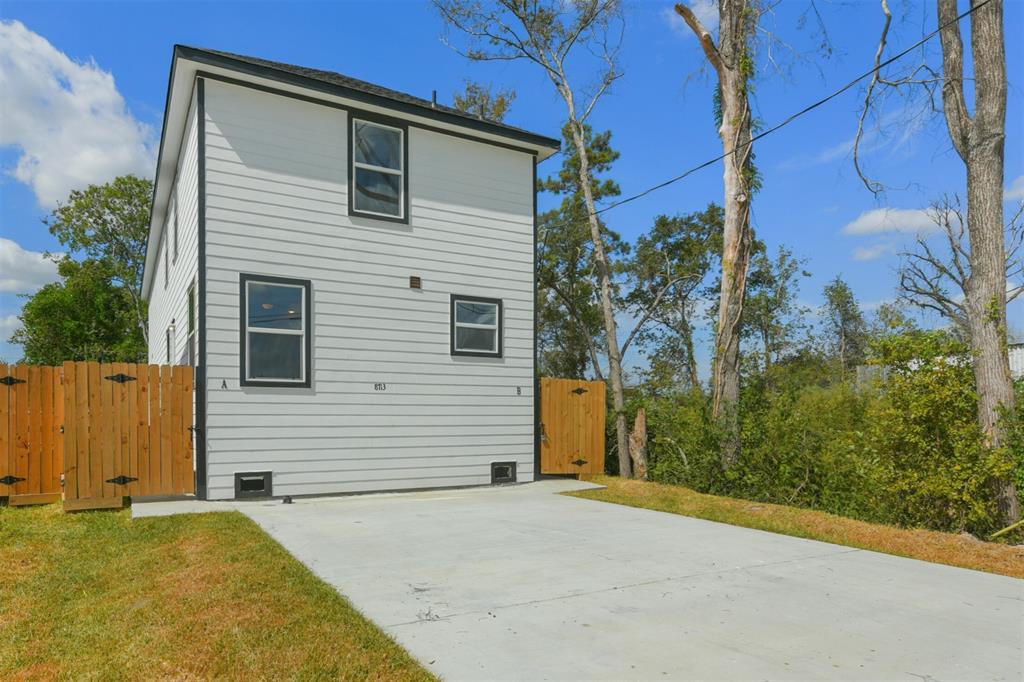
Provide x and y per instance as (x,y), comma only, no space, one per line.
(927,545)
(98,596)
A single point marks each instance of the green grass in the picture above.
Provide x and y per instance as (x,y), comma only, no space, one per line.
(96,595)
(927,545)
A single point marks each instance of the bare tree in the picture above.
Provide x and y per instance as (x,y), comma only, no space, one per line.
(980,141)
(934,276)
(732,59)
(546,34)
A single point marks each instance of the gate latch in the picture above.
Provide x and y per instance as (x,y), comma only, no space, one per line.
(579,391)
(121,480)
(579,462)
(10,480)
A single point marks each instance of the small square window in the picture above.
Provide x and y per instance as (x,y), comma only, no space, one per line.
(476,326)
(377,155)
(275,331)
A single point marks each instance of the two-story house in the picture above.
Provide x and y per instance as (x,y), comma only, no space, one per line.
(351,271)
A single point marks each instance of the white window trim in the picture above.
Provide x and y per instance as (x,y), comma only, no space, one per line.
(169,340)
(301,332)
(496,327)
(381,169)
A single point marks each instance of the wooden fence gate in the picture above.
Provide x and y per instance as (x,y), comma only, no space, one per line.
(111,429)
(572,426)
(31,442)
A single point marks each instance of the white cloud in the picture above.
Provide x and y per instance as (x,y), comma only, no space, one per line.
(8,323)
(883,220)
(67,119)
(1015,191)
(872,252)
(23,271)
(705,10)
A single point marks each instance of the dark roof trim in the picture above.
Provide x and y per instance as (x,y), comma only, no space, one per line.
(348,88)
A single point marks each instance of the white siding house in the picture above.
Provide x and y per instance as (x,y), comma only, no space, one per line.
(362,263)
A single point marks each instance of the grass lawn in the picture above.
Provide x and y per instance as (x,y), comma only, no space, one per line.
(941,548)
(96,595)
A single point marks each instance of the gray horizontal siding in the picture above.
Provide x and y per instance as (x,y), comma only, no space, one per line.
(169,302)
(277,204)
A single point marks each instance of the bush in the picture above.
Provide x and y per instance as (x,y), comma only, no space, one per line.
(923,430)
(905,450)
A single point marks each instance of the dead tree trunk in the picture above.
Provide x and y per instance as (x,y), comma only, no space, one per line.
(638,445)
(980,141)
(732,62)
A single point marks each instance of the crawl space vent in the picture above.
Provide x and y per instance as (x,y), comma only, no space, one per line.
(253,484)
(503,472)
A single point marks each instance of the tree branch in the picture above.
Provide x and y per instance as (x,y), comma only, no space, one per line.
(703,35)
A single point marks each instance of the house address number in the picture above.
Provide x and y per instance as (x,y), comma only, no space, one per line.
(380,387)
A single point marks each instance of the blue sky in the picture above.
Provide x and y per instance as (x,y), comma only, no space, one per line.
(83,88)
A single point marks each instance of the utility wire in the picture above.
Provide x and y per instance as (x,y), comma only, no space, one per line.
(785,122)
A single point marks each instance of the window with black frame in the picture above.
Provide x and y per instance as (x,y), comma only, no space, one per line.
(275,342)
(378,170)
(476,326)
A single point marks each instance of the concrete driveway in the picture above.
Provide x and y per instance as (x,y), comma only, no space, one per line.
(521,583)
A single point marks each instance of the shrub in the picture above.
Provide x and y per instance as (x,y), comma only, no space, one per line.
(922,428)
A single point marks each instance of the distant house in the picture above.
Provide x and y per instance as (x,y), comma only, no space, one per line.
(351,271)
(1017,360)
(868,373)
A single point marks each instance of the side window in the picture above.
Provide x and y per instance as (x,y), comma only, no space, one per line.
(167,264)
(377,156)
(174,222)
(476,326)
(191,336)
(275,331)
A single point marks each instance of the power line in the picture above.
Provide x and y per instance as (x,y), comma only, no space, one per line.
(786,121)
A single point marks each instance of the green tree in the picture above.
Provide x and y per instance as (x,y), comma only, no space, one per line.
(553,35)
(848,337)
(675,257)
(87,315)
(110,224)
(483,101)
(771,314)
(569,314)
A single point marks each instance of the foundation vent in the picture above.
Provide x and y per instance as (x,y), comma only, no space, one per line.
(252,484)
(503,472)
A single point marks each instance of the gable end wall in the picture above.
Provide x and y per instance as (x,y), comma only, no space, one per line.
(389,407)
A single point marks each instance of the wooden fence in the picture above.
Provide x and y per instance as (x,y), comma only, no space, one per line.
(572,426)
(111,429)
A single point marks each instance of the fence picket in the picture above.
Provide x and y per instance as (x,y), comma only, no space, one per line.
(69,442)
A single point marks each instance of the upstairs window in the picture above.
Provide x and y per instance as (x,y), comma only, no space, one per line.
(378,186)
(275,343)
(476,326)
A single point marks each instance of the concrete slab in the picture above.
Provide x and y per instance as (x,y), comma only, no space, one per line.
(519,583)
